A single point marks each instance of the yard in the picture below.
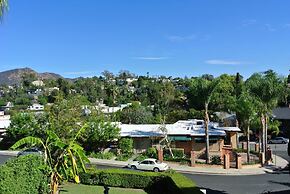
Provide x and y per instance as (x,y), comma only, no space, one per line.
(70,188)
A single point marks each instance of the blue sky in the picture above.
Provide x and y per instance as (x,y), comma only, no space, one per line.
(162,37)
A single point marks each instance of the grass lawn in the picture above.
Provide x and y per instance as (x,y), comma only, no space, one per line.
(70,188)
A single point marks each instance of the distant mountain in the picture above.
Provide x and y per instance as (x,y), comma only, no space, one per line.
(14,76)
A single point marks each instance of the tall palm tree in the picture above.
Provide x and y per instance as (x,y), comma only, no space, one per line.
(3,7)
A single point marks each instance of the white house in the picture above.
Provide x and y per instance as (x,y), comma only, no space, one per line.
(184,134)
(36,107)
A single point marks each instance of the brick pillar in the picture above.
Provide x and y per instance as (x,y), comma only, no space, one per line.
(262,158)
(226,161)
(244,145)
(160,154)
(257,147)
(268,155)
(192,159)
(238,161)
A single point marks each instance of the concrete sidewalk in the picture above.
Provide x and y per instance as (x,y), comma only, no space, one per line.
(280,163)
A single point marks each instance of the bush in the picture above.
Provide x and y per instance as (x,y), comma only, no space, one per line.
(25,175)
(101,155)
(123,157)
(150,153)
(216,160)
(126,145)
(160,183)
(177,153)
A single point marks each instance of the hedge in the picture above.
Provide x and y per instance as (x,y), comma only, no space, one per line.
(167,183)
(25,175)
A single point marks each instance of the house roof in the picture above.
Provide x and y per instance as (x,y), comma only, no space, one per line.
(4,123)
(180,128)
(282,113)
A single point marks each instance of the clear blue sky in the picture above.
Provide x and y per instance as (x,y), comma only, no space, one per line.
(168,37)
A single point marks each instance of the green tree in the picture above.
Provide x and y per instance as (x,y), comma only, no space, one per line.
(136,114)
(218,92)
(3,7)
(126,145)
(64,158)
(25,124)
(267,88)
(98,134)
(246,106)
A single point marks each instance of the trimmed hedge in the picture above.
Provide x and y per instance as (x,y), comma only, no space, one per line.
(25,175)
(167,183)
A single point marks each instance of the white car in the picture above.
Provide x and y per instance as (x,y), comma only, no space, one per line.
(278,140)
(150,164)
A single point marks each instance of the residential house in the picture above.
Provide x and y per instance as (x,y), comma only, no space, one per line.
(185,134)
(36,107)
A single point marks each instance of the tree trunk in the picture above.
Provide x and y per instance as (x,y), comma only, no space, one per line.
(206,134)
(248,142)
(266,133)
(263,133)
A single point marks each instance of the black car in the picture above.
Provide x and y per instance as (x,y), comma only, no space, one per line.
(29,151)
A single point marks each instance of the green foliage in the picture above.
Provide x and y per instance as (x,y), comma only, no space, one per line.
(177,153)
(98,134)
(170,182)
(124,157)
(26,124)
(25,175)
(136,114)
(64,158)
(126,145)
(216,160)
(150,153)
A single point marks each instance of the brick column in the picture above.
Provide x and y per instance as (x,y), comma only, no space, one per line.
(244,145)
(257,147)
(226,161)
(262,158)
(160,154)
(268,155)
(238,161)
(192,159)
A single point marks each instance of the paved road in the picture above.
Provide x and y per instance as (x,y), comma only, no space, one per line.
(278,183)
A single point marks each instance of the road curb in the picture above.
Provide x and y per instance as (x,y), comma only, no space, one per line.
(8,153)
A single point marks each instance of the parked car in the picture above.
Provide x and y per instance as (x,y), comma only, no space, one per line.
(29,151)
(278,140)
(150,164)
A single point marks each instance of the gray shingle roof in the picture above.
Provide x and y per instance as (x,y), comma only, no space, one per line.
(282,113)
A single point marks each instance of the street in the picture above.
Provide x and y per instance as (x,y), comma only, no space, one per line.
(277,183)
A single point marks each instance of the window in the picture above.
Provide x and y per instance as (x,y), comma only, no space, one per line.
(144,162)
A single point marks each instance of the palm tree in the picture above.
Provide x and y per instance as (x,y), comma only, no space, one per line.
(3,7)
(62,158)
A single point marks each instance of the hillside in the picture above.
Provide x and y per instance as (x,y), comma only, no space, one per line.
(14,76)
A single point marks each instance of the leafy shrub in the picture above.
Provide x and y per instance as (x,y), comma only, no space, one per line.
(126,145)
(216,160)
(25,175)
(177,153)
(151,152)
(162,183)
(101,155)
(123,157)
(181,160)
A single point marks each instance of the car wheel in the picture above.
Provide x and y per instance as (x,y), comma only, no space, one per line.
(156,169)
(283,142)
(133,167)
(270,142)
